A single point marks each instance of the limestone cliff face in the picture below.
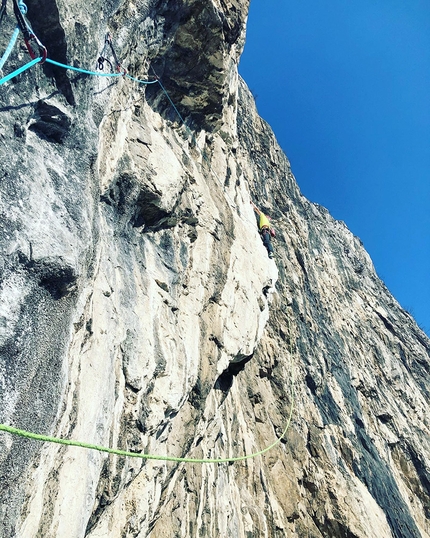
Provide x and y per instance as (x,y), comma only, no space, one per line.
(139,309)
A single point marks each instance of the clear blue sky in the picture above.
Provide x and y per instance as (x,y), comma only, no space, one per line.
(345,85)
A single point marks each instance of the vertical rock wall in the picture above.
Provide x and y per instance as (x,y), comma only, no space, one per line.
(139,309)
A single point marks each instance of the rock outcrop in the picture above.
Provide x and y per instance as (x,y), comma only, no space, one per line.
(139,309)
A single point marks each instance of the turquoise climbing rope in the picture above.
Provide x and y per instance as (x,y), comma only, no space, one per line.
(72,68)
(4,58)
(138,80)
(97,74)
(84,71)
(19,70)
(9,48)
(175,108)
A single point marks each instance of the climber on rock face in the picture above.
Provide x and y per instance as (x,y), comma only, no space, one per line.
(264,227)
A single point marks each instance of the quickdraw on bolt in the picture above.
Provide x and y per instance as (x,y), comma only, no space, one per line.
(103,57)
(36,50)
(39,51)
(101,61)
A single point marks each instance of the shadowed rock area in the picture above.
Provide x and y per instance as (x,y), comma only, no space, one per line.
(139,309)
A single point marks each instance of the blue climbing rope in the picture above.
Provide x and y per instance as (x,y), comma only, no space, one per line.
(174,107)
(78,69)
(84,71)
(4,58)
(22,7)
(98,74)
(142,81)
(9,48)
(19,70)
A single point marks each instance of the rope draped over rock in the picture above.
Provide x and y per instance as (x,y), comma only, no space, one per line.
(72,68)
(97,74)
(124,453)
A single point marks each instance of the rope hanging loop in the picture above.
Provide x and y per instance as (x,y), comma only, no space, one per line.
(22,7)
(100,63)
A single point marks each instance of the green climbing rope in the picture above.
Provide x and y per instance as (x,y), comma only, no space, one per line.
(67,442)
(125,453)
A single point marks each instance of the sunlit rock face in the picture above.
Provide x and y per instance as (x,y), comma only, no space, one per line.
(139,308)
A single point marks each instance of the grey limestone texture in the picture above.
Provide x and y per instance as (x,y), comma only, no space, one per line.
(139,308)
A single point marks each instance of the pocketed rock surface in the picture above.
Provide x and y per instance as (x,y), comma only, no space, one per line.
(139,309)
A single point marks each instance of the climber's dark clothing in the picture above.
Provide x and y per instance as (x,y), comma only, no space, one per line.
(265,235)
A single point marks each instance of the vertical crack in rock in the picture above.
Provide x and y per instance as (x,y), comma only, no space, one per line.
(45,19)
